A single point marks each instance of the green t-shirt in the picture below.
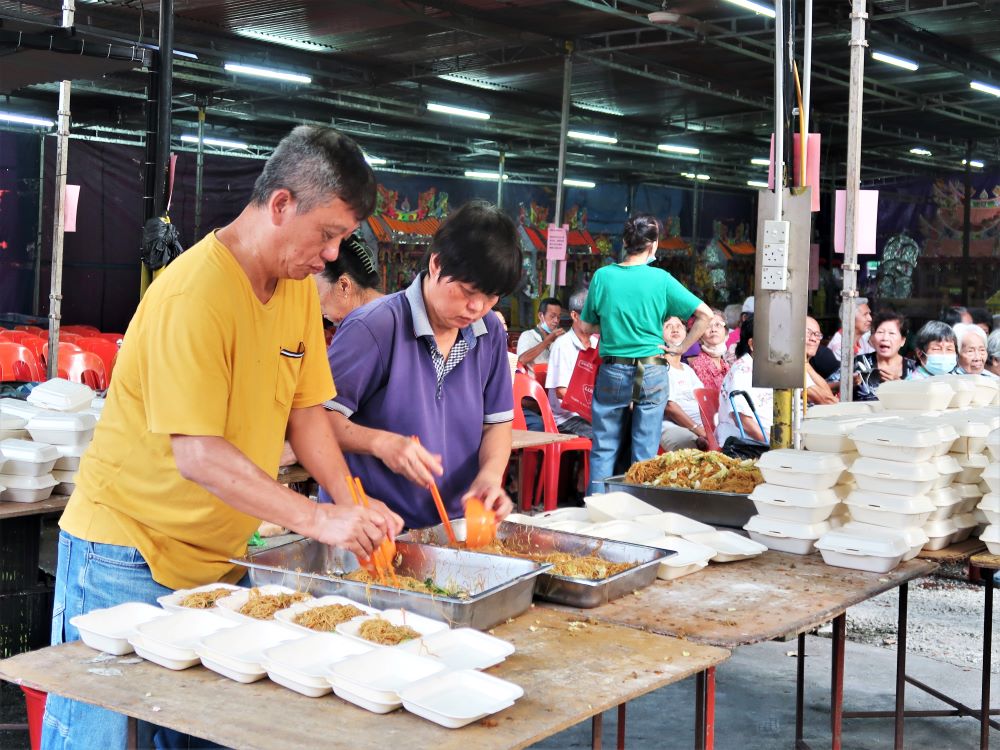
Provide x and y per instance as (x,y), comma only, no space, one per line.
(631,304)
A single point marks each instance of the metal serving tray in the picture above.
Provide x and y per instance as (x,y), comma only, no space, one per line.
(575,592)
(499,588)
(714,508)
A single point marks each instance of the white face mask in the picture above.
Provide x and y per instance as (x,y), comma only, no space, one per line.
(651,258)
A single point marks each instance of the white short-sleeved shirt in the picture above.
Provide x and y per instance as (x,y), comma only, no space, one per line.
(740,378)
(529,340)
(862,345)
(683,381)
(562,360)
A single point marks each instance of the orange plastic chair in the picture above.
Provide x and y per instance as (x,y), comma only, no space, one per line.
(708,405)
(527,387)
(18,363)
(103,348)
(82,367)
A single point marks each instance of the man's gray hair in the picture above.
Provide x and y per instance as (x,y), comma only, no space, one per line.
(317,164)
(934,330)
(578,300)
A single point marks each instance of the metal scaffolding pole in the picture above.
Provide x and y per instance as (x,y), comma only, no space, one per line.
(850,268)
(563,127)
(36,291)
(199,174)
(500,176)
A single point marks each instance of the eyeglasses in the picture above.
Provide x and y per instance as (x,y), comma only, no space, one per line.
(814,334)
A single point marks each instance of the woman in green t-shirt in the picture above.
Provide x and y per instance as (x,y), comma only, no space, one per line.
(629,302)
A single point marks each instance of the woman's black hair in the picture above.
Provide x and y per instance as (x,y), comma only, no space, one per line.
(639,231)
(885,316)
(746,333)
(355,260)
(953,315)
(478,245)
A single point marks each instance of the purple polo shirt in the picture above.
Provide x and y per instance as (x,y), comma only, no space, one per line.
(386,380)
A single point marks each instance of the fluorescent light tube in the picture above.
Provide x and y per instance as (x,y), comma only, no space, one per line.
(580,135)
(276,75)
(478,175)
(899,62)
(764,10)
(757,184)
(40,122)
(984,87)
(975,163)
(760,161)
(374,160)
(447,109)
(221,142)
(570,182)
(702,177)
(679,149)
(920,151)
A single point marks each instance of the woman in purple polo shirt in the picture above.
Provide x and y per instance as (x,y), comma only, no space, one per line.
(429,361)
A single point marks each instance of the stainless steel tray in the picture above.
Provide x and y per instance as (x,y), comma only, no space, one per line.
(575,592)
(715,508)
(499,588)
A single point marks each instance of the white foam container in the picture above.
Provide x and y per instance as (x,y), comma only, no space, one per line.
(237,652)
(794,504)
(914,536)
(932,394)
(12,426)
(110,628)
(230,605)
(991,537)
(862,549)
(894,511)
(62,428)
(810,470)
(550,517)
(69,457)
(972,433)
(287,616)
(571,527)
(786,536)
(939,533)
(987,391)
(964,387)
(21,489)
(26,458)
(376,707)
(59,394)
(380,674)
(946,502)
(993,445)
(690,557)
(149,651)
(455,699)
(674,524)
(894,477)
(970,495)
(947,468)
(16,407)
(991,475)
(615,506)
(423,625)
(896,441)
(830,434)
(302,665)
(66,480)
(842,409)
(461,648)
(172,602)
(621,531)
(990,507)
(175,637)
(728,546)
(964,524)
(840,516)
(972,466)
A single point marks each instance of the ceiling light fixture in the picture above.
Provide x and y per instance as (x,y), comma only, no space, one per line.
(374,161)
(691,150)
(271,73)
(984,87)
(757,184)
(477,175)
(764,10)
(689,175)
(220,142)
(581,135)
(899,62)
(40,122)
(760,161)
(974,163)
(920,151)
(570,182)
(447,109)
(702,177)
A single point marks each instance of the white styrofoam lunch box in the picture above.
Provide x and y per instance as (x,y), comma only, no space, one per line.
(932,394)
(939,533)
(993,445)
(461,648)
(794,504)
(15,407)
(841,409)
(810,470)
(673,524)
(59,394)
(69,457)
(896,441)
(172,602)
(69,428)
(12,426)
(991,537)
(964,524)
(109,629)
(972,465)
(991,475)
(914,536)
(990,506)
(423,625)
(560,514)
(862,549)
(175,637)
(946,501)
(306,661)
(965,389)
(18,488)
(829,434)
(894,477)
(231,605)
(895,511)
(972,432)
(947,468)
(970,495)
(987,391)
(728,546)
(786,536)
(617,506)
(381,673)
(455,699)
(287,616)
(621,531)
(240,649)
(66,480)
(27,458)
(689,557)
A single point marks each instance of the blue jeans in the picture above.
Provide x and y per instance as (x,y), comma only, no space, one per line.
(612,396)
(92,576)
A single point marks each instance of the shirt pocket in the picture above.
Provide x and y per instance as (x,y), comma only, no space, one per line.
(287,380)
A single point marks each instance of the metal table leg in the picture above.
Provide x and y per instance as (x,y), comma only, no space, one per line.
(984,703)
(699,711)
(904,591)
(837,680)
(710,709)
(596,730)
(621,726)
(800,689)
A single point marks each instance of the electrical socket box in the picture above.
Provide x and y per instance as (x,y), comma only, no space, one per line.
(774,254)
(773,278)
(776,232)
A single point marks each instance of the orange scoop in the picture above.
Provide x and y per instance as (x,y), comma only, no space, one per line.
(480,524)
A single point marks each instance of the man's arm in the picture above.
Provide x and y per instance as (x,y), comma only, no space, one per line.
(751,428)
(400,453)
(528,356)
(494,453)
(221,468)
(317,449)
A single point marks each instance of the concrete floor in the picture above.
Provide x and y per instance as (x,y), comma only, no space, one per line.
(755,704)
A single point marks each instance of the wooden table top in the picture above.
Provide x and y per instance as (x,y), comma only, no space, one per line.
(750,601)
(292,474)
(986,560)
(54,504)
(532,439)
(953,553)
(569,673)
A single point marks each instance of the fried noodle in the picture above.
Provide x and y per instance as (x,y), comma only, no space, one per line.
(385,633)
(328,617)
(591,567)
(204,599)
(408,583)
(263,606)
(697,470)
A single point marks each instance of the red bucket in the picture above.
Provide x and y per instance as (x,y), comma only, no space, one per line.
(35,702)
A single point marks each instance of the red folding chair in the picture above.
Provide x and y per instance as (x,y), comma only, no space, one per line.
(708,405)
(18,363)
(82,367)
(103,348)
(527,387)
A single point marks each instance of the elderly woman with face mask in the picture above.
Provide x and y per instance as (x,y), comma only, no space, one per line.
(971,349)
(710,365)
(936,349)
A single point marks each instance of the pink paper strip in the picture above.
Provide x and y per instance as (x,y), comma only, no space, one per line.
(71,198)
(865,221)
(555,243)
(812,166)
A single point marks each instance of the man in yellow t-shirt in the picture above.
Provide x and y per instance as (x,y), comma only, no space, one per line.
(224,357)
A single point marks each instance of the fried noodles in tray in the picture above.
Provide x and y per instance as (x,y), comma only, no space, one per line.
(204,599)
(328,617)
(383,632)
(693,469)
(566,564)
(263,606)
(408,583)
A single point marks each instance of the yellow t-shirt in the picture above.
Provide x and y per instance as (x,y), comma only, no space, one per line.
(202,356)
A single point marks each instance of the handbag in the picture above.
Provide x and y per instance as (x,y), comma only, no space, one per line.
(579,397)
(743,447)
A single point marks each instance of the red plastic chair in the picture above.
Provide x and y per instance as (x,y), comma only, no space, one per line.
(82,367)
(33,330)
(36,344)
(64,346)
(114,338)
(527,387)
(103,348)
(540,370)
(8,335)
(81,330)
(18,363)
(708,405)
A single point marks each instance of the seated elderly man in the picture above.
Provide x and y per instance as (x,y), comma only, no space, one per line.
(682,426)
(562,361)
